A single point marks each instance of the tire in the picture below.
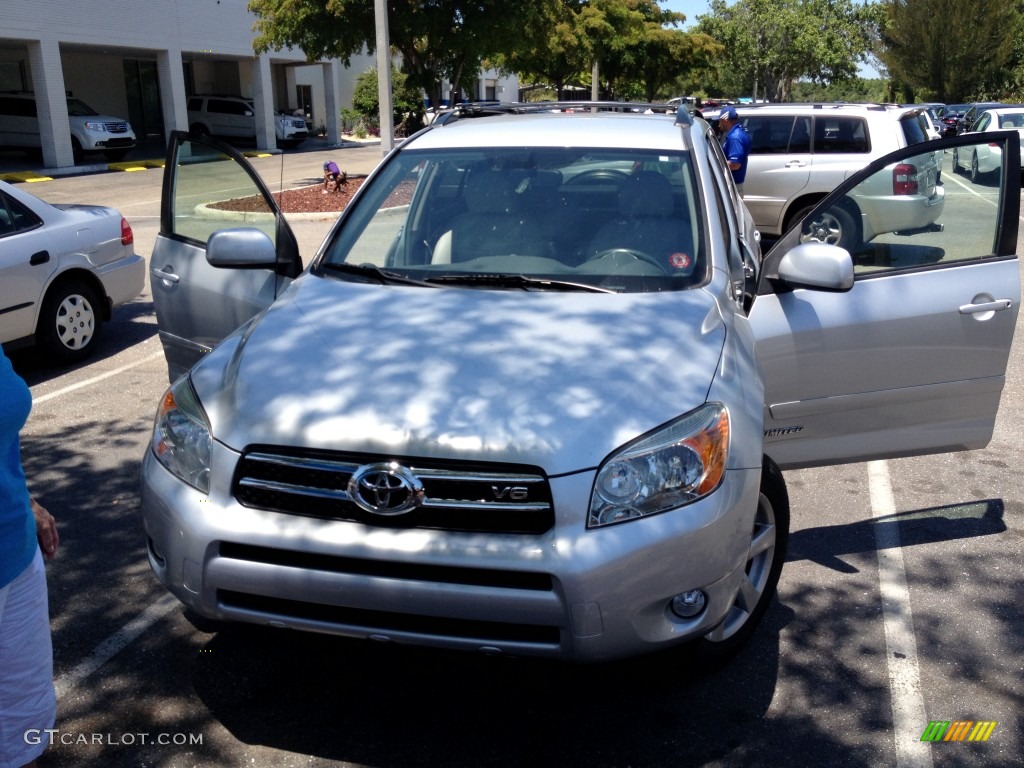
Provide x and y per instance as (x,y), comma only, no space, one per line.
(976,175)
(76,150)
(767,553)
(834,226)
(200,130)
(956,162)
(69,322)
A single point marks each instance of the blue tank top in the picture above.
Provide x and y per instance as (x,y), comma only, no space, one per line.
(17,526)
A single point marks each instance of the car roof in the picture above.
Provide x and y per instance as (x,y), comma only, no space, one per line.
(614,130)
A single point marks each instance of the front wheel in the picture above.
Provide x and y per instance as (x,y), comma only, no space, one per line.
(765,556)
(69,322)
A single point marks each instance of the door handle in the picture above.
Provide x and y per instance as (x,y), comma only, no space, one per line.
(170,277)
(996,305)
(39,257)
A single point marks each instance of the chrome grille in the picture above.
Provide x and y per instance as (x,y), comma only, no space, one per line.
(116,127)
(464,498)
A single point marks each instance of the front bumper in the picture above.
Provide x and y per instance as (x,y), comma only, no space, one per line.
(570,593)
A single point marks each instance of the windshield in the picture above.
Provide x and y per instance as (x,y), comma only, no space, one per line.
(619,220)
(78,108)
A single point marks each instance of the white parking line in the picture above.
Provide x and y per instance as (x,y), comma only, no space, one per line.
(94,379)
(114,644)
(908,713)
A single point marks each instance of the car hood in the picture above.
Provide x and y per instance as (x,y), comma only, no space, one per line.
(555,380)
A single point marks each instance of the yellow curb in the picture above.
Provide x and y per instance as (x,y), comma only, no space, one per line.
(16,176)
(136,165)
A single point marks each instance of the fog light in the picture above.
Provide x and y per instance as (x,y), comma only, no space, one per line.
(688,604)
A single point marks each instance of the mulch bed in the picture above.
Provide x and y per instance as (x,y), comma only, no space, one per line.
(301,200)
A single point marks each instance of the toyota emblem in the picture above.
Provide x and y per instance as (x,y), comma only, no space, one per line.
(385,489)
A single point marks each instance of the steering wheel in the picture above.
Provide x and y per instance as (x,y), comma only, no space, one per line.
(605,175)
(635,254)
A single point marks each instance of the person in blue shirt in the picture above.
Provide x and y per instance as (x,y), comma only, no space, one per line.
(736,145)
(27,534)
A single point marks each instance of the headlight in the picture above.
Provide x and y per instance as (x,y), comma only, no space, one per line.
(181,436)
(675,466)
(93,126)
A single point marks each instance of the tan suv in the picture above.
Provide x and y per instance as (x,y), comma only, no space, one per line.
(801,152)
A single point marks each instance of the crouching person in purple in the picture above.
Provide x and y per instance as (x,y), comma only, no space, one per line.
(27,534)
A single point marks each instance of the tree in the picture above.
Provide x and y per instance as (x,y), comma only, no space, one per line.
(407,101)
(769,44)
(951,50)
(437,39)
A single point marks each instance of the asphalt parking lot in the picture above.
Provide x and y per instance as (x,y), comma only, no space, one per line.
(901,604)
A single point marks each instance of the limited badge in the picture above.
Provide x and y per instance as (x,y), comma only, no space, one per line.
(680,260)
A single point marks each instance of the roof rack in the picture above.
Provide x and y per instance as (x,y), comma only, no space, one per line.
(683,113)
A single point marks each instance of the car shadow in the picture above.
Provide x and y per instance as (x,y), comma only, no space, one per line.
(131,324)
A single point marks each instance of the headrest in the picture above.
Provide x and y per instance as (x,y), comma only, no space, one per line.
(646,193)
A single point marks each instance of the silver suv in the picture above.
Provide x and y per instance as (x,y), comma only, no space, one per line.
(235,117)
(534,392)
(801,152)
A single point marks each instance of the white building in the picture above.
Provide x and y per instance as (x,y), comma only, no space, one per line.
(144,59)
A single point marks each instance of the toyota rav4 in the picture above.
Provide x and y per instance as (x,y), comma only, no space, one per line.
(534,393)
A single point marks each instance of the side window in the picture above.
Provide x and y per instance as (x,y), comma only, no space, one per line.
(984,122)
(226,107)
(913,129)
(195,105)
(800,140)
(15,217)
(900,218)
(836,133)
(769,134)
(212,192)
(17,107)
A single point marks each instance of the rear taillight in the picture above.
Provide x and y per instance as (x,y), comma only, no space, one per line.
(127,236)
(904,179)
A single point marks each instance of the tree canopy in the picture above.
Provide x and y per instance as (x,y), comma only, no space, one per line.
(437,39)
(951,50)
(769,44)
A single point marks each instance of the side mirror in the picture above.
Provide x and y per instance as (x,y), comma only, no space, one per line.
(241,248)
(818,266)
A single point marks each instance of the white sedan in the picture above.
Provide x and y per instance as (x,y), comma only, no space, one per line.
(63,268)
(983,159)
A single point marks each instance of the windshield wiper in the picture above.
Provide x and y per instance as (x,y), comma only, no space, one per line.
(522,282)
(373,272)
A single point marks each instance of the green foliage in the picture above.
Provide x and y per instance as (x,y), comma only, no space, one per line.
(407,103)
(953,50)
(770,44)
(437,39)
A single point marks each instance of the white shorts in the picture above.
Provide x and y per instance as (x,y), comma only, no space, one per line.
(27,700)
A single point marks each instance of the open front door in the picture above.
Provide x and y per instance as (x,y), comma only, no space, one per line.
(912,358)
(208,187)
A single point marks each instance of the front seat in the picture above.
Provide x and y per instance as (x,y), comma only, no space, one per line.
(492,225)
(646,223)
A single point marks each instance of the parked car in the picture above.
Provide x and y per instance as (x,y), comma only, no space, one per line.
(235,117)
(534,393)
(63,268)
(973,112)
(91,132)
(950,117)
(801,152)
(931,111)
(984,159)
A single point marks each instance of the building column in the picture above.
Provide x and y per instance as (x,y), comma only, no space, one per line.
(51,103)
(173,101)
(332,109)
(263,103)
